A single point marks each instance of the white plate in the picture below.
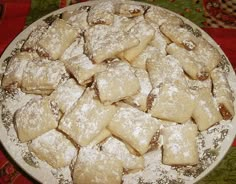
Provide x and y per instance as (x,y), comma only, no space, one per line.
(42,172)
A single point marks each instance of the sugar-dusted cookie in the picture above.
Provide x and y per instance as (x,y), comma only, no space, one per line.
(123,23)
(189,62)
(58,37)
(104,134)
(30,43)
(194,85)
(35,118)
(130,10)
(145,33)
(15,69)
(42,76)
(179,35)
(67,94)
(159,41)
(117,82)
(54,148)
(75,49)
(205,113)
(97,167)
(159,16)
(140,100)
(86,119)
(101,13)
(134,127)
(207,55)
(180,144)
(119,150)
(171,102)
(223,93)
(165,69)
(149,52)
(77,19)
(104,42)
(82,68)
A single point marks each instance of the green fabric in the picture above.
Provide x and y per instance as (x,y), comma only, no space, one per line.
(225,172)
(40,8)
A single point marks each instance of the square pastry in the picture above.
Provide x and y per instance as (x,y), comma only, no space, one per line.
(206,112)
(180,144)
(101,42)
(15,69)
(117,82)
(165,69)
(188,61)
(101,13)
(86,119)
(223,93)
(35,118)
(42,76)
(82,68)
(145,33)
(171,102)
(54,148)
(130,10)
(67,94)
(58,37)
(119,150)
(97,167)
(134,127)
(140,100)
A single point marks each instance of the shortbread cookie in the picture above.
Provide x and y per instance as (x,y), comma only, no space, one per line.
(57,39)
(171,102)
(123,23)
(149,52)
(104,134)
(159,16)
(145,33)
(180,145)
(205,113)
(117,82)
(75,49)
(15,69)
(119,150)
(140,100)
(101,13)
(82,68)
(86,119)
(206,54)
(54,148)
(42,77)
(190,65)
(194,85)
(97,167)
(223,93)
(130,10)
(134,127)
(101,42)
(159,41)
(31,42)
(35,118)
(165,70)
(77,19)
(179,35)
(67,94)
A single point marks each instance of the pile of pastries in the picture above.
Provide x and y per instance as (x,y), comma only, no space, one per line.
(112,80)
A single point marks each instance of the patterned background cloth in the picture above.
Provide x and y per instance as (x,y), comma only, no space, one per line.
(217,17)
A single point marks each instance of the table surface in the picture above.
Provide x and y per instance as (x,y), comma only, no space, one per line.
(216,17)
